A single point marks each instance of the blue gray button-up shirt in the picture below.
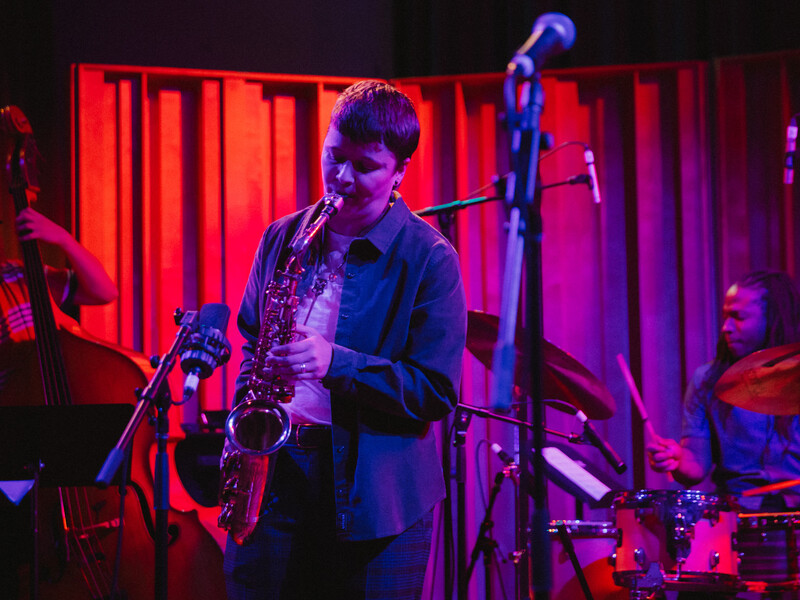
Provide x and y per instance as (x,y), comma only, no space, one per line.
(747,449)
(396,364)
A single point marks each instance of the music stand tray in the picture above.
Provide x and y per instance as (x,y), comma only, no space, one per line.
(576,475)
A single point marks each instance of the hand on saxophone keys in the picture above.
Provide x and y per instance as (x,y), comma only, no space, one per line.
(307,358)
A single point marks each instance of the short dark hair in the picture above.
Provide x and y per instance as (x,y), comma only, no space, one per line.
(372,111)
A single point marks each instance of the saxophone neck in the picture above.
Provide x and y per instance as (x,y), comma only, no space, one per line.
(331,204)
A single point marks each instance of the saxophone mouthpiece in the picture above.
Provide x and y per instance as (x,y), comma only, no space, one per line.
(332,204)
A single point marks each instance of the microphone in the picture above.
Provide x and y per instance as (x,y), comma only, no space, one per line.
(588,156)
(606,450)
(525,478)
(206,348)
(791,140)
(553,33)
(504,456)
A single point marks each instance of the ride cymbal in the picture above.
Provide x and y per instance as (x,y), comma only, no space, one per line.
(564,377)
(767,381)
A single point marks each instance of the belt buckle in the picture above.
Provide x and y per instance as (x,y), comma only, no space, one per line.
(308,429)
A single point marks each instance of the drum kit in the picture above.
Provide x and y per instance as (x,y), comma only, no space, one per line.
(673,540)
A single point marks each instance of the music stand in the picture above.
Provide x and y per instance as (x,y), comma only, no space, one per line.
(57,446)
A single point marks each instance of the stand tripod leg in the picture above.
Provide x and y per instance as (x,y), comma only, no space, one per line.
(569,547)
(35,528)
(484,544)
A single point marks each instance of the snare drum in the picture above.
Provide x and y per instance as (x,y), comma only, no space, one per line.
(768,546)
(690,534)
(594,543)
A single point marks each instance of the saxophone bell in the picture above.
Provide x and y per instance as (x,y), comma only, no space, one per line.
(257,428)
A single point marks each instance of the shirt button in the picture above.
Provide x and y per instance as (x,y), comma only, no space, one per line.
(344,316)
(339,449)
(350,275)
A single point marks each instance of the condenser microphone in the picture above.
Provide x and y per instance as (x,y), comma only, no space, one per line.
(504,456)
(206,348)
(590,434)
(588,156)
(791,144)
(553,33)
(526,480)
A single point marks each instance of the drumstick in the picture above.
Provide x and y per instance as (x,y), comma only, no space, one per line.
(772,487)
(637,399)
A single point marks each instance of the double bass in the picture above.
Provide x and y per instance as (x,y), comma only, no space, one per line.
(80,527)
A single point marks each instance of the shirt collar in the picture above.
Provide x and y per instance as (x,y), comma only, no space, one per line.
(386,229)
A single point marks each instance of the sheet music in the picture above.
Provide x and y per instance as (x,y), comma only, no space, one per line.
(575,473)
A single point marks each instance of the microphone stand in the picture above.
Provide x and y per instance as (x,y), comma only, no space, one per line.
(155,393)
(488,414)
(485,544)
(445,214)
(523,112)
(463,414)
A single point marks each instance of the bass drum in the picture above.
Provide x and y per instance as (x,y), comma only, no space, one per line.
(594,543)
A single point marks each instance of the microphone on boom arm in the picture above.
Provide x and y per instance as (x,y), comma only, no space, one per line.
(553,33)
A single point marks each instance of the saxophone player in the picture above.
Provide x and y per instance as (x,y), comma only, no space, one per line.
(381,329)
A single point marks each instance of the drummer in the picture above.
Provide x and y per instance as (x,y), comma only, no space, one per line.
(746,449)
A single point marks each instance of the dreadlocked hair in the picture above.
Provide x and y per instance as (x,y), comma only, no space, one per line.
(781,305)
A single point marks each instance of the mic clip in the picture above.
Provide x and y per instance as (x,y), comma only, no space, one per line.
(461,424)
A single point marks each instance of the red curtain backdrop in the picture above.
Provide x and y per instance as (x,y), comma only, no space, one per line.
(177,173)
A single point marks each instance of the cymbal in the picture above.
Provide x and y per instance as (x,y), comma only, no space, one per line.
(564,377)
(767,381)
(772,487)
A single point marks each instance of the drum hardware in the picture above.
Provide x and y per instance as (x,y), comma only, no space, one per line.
(649,585)
(640,557)
(572,387)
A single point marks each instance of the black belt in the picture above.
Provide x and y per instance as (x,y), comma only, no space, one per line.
(309,435)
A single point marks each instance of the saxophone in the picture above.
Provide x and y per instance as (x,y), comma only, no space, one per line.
(258,426)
